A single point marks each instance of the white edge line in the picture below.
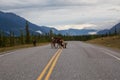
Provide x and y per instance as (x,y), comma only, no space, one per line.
(112,56)
(6,53)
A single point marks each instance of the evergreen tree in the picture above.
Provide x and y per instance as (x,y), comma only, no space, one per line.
(115,31)
(4,40)
(12,38)
(51,33)
(109,33)
(1,41)
(27,33)
(21,37)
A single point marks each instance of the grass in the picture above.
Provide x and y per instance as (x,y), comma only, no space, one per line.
(113,42)
(5,49)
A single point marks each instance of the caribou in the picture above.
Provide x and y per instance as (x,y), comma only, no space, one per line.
(57,42)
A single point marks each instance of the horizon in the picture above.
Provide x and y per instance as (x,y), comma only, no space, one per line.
(62,15)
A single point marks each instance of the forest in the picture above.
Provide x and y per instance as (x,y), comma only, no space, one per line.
(27,38)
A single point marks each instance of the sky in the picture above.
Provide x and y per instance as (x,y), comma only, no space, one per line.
(65,14)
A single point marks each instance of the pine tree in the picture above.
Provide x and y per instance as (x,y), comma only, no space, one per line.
(115,31)
(10,38)
(109,33)
(51,33)
(21,37)
(1,38)
(27,33)
(4,40)
(13,38)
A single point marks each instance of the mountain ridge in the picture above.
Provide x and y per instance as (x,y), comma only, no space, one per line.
(12,22)
(111,30)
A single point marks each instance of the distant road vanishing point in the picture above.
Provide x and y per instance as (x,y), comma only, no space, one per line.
(79,61)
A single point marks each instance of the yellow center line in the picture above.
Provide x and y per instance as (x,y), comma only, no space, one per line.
(52,67)
(47,66)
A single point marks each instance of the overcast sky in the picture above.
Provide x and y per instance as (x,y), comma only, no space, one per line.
(64,14)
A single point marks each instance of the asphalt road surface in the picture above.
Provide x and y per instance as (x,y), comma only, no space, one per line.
(80,61)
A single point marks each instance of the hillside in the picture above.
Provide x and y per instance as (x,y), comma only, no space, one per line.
(12,22)
(113,42)
(112,30)
(78,31)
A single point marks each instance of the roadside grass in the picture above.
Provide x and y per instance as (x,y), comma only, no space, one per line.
(6,49)
(113,42)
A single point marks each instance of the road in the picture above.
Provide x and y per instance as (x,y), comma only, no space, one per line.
(80,61)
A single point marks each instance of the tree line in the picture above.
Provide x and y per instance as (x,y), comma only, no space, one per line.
(24,38)
(27,38)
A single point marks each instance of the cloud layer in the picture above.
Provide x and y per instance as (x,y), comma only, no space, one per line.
(71,13)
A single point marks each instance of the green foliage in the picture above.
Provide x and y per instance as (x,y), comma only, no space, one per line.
(12,38)
(21,37)
(2,39)
(26,38)
(27,33)
(115,33)
(51,33)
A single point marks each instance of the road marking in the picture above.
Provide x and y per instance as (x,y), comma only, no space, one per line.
(48,65)
(52,66)
(5,54)
(112,56)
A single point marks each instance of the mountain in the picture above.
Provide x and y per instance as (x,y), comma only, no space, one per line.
(103,31)
(77,31)
(117,27)
(12,22)
(112,30)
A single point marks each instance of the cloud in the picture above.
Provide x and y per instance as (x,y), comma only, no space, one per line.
(91,33)
(117,9)
(68,13)
(75,26)
(17,4)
